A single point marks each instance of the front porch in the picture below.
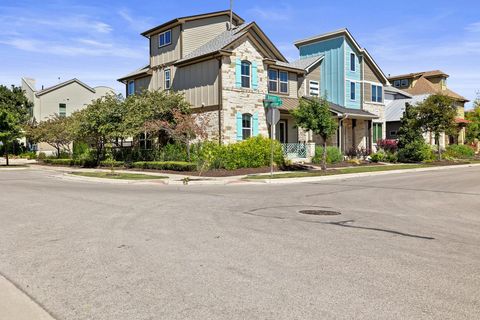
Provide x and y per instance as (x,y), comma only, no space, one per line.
(355,132)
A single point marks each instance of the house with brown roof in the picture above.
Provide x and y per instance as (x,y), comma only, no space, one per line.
(421,85)
(229,71)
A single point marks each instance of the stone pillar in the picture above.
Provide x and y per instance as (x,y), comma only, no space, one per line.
(310,150)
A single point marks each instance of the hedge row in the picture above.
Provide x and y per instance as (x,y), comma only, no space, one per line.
(166,165)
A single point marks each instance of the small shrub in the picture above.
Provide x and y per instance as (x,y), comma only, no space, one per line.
(458,151)
(28,155)
(41,156)
(165,165)
(378,157)
(416,151)
(391,157)
(333,155)
(110,163)
(360,153)
(388,145)
(60,162)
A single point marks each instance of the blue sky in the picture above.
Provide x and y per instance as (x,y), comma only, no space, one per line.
(99,41)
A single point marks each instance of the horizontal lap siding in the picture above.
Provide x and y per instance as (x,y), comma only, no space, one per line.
(198,32)
(168,53)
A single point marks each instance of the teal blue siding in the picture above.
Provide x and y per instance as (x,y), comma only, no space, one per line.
(332,84)
(354,104)
(352,76)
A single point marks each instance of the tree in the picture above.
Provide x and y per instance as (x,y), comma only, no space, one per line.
(14,107)
(184,127)
(411,144)
(56,131)
(152,106)
(473,128)
(315,115)
(437,115)
(100,123)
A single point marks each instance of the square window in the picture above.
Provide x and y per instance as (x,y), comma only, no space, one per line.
(396,83)
(404,83)
(165,38)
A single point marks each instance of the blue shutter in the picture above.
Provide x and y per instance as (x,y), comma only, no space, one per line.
(238,73)
(254,76)
(239,127)
(255,124)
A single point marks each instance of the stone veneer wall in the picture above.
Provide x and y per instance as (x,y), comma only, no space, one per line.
(379,110)
(239,99)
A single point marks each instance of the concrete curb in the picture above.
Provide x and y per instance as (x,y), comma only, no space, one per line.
(16,304)
(354,175)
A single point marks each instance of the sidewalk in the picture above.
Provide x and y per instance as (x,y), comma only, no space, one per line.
(16,305)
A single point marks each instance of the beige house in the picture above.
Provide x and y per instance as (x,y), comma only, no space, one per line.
(229,71)
(422,84)
(62,99)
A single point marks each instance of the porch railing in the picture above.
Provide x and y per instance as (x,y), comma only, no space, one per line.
(294,150)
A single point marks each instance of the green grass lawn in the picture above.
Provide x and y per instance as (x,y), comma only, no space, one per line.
(303,174)
(118,175)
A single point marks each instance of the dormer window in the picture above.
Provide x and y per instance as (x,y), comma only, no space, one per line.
(165,38)
(396,83)
(404,83)
(246,67)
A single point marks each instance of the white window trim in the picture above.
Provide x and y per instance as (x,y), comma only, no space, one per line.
(249,74)
(169,71)
(354,62)
(284,82)
(317,84)
(166,43)
(278,89)
(128,88)
(355,86)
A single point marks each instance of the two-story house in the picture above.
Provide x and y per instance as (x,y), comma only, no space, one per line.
(420,85)
(228,70)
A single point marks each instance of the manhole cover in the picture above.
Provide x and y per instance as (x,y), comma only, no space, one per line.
(320,212)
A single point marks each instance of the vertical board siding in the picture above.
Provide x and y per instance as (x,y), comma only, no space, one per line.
(198,82)
(355,76)
(332,70)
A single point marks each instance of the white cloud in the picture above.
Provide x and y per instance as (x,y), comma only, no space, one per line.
(89,48)
(135,23)
(473,27)
(279,13)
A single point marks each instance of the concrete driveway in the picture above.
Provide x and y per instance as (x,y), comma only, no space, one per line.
(406,246)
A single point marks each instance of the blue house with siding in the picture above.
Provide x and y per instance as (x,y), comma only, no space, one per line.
(349,78)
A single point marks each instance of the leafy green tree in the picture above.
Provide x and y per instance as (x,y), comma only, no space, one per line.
(315,115)
(152,106)
(437,115)
(473,128)
(14,107)
(56,131)
(101,122)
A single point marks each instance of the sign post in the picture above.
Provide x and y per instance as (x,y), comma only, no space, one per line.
(273,116)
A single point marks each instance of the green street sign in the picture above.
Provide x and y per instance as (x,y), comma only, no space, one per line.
(272,101)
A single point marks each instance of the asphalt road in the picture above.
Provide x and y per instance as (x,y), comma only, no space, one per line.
(406,246)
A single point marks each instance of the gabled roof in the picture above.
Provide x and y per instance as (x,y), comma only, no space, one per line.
(426,74)
(302,64)
(63,84)
(290,104)
(222,41)
(394,110)
(424,86)
(236,18)
(343,32)
(138,72)
(397,91)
